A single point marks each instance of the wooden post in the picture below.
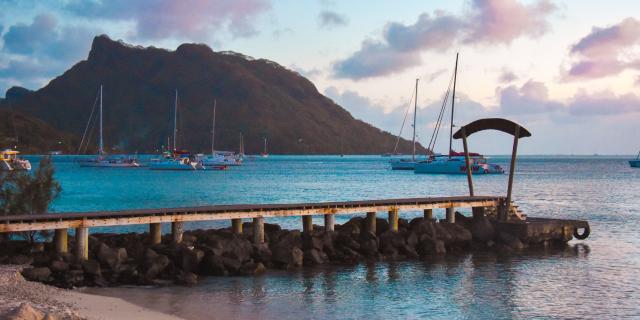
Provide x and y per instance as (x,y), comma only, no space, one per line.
(258,230)
(428,214)
(61,241)
(467,161)
(82,243)
(393,219)
(307,224)
(451,215)
(236,226)
(155,233)
(177,230)
(507,206)
(371,222)
(329,222)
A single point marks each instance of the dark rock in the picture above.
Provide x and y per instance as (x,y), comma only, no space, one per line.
(510,240)
(314,257)
(261,253)
(20,259)
(482,229)
(186,278)
(156,264)
(112,258)
(91,267)
(59,266)
(214,265)
(442,233)
(42,274)
(287,255)
(231,264)
(191,259)
(382,225)
(238,248)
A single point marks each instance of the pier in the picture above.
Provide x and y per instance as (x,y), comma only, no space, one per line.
(83,221)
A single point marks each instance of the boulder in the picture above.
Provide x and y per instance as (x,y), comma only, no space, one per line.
(59,266)
(156,263)
(213,265)
(314,257)
(24,312)
(20,259)
(112,258)
(191,259)
(186,278)
(382,225)
(91,267)
(482,229)
(261,253)
(251,268)
(287,255)
(232,265)
(42,274)
(510,240)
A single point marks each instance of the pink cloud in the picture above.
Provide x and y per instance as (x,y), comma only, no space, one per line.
(604,103)
(606,51)
(502,21)
(487,22)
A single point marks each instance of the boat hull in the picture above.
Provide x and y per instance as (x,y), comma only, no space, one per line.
(403,165)
(634,163)
(456,167)
(109,165)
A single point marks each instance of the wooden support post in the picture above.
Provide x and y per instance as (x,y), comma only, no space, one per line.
(236,226)
(258,230)
(61,241)
(478,212)
(371,222)
(451,215)
(155,233)
(177,230)
(329,222)
(393,219)
(307,224)
(467,161)
(82,243)
(428,214)
(512,169)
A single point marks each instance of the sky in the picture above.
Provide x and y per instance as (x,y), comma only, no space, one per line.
(569,71)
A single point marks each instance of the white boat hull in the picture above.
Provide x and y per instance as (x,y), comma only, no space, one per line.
(109,164)
(402,164)
(455,166)
(176,165)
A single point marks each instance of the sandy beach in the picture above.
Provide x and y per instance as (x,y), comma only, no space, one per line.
(22,299)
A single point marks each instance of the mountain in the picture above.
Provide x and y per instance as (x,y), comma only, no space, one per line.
(31,135)
(255,97)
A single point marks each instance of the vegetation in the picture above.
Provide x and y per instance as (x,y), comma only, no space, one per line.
(24,193)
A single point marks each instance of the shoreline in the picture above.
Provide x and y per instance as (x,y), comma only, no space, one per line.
(21,299)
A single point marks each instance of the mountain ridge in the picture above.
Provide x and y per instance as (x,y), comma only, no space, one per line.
(256,97)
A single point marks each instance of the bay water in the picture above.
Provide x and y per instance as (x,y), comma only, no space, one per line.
(595,278)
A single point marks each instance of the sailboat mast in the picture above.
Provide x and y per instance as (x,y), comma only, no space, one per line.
(175,121)
(213,129)
(453,101)
(415,110)
(241,150)
(265,145)
(101,146)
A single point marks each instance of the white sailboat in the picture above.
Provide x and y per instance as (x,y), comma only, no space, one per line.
(218,160)
(175,160)
(454,162)
(102,159)
(404,163)
(635,163)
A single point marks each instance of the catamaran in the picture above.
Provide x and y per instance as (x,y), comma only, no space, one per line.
(453,162)
(218,160)
(177,159)
(102,159)
(9,161)
(404,163)
(635,163)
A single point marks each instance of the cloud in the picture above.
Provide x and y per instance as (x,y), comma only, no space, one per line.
(532,97)
(434,75)
(486,22)
(507,76)
(192,19)
(329,19)
(603,103)
(502,21)
(35,52)
(606,51)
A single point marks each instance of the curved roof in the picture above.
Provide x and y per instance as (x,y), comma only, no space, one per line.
(504,125)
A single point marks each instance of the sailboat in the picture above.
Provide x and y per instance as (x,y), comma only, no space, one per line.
(454,162)
(176,160)
(404,163)
(635,163)
(264,153)
(102,160)
(218,160)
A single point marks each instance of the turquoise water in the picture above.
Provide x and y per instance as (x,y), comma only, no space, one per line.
(596,278)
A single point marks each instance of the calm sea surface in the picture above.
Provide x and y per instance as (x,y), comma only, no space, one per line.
(595,278)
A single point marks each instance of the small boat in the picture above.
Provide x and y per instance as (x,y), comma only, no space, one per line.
(404,163)
(635,163)
(178,159)
(102,160)
(454,162)
(11,161)
(218,160)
